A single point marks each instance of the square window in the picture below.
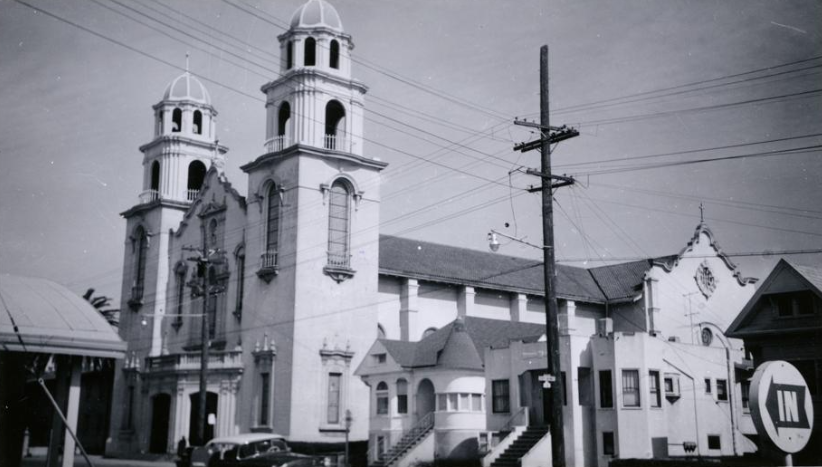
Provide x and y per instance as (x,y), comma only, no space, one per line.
(465,402)
(442,403)
(745,389)
(476,402)
(714,442)
(630,388)
(721,390)
(606,390)
(500,396)
(707,385)
(653,388)
(608,443)
(452,403)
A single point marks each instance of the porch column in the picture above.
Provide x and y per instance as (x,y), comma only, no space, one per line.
(465,301)
(73,409)
(519,304)
(408,307)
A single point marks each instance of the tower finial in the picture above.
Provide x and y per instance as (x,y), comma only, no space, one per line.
(187,55)
(701,212)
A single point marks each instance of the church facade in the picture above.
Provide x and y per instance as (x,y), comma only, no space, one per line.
(300,301)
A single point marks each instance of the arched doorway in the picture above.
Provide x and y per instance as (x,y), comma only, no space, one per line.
(425,398)
(160,410)
(194,417)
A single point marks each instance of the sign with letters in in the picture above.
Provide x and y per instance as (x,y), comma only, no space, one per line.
(781,406)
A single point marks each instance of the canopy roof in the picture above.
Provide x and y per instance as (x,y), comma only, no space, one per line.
(52,319)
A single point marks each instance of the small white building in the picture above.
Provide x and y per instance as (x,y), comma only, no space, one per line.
(646,369)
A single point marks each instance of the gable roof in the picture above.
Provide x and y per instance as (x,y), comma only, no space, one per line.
(425,260)
(741,326)
(448,347)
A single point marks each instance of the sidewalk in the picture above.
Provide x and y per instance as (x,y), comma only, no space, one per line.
(38,459)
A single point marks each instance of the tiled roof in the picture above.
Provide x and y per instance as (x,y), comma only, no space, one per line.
(621,281)
(482,332)
(425,260)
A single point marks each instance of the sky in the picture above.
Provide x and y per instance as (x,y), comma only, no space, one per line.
(656,90)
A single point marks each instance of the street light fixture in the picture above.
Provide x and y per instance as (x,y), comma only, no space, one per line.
(493,241)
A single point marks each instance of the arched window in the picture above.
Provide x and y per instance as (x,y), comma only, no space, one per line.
(339,212)
(155,176)
(289,55)
(240,260)
(402,396)
(272,228)
(141,239)
(334,125)
(212,234)
(176,120)
(196,177)
(382,398)
(198,122)
(334,59)
(213,302)
(310,57)
(283,126)
(181,293)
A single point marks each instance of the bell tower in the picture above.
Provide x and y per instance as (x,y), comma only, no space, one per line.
(313,217)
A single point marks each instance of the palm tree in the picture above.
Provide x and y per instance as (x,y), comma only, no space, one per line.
(101,303)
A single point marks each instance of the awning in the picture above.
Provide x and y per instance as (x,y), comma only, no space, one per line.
(52,319)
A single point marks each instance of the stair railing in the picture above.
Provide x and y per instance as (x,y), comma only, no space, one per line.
(409,437)
(521,414)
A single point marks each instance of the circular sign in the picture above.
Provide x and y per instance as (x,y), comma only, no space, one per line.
(781,406)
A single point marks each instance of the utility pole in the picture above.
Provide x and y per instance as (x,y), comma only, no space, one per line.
(549,135)
(203,287)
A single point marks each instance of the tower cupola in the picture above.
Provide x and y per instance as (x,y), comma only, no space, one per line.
(315,102)
(185,143)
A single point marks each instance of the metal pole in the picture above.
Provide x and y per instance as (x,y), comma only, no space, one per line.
(557,435)
(65,422)
(201,426)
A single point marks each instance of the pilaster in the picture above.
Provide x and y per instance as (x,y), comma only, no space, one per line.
(465,301)
(408,307)
(518,306)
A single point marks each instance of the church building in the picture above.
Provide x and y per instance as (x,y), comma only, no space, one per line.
(317,326)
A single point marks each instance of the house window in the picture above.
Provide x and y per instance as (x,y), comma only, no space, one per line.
(794,303)
(606,390)
(608,443)
(714,442)
(586,396)
(140,264)
(334,59)
(745,389)
(653,387)
(476,402)
(671,386)
(379,358)
(382,399)
(442,403)
(338,225)
(265,397)
(630,388)
(452,402)
(500,396)
(402,396)
(310,57)
(334,381)
(721,390)
(707,385)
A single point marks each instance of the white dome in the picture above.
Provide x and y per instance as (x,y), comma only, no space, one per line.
(316,13)
(187,88)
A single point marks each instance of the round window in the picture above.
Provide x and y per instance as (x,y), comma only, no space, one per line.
(707,336)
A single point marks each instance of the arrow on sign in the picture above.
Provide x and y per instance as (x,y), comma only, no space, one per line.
(786,406)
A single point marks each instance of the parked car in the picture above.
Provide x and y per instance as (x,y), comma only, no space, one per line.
(253,450)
